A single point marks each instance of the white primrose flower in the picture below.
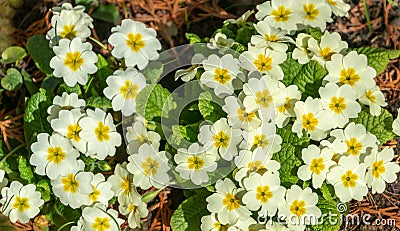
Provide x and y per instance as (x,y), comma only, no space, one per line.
(381,169)
(279,14)
(315,13)
(357,139)
(20,202)
(284,112)
(263,137)
(220,139)
(97,218)
(137,135)
(73,187)
(188,74)
(122,89)
(221,42)
(3,179)
(102,192)
(220,73)
(149,167)
(226,202)
(264,192)
(338,7)
(212,223)
(79,10)
(67,125)
(317,163)
(256,161)
(242,19)
(100,133)
(396,124)
(348,179)
(374,98)
(248,224)
(73,62)
(135,43)
(79,225)
(122,182)
(64,102)
(311,117)
(263,60)
(338,147)
(340,102)
(270,37)
(300,208)
(301,53)
(195,163)
(264,95)
(238,115)
(331,43)
(52,155)
(134,209)
(352,70)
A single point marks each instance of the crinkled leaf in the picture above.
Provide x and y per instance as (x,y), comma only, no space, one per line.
(103,71)
(25,169)
(99,102)
(244,34)
(209,109)
(13,54)
(289,137)
(108,13)
(315,33)
(310,73)
(75,89)
(289,164)
(12,81)
(44,187)
(153,71)
(380,126)
(378,58)
(193,38)
(291,69)
(41,53)
(154,101)
(331,221)
(188,215)
(394,54)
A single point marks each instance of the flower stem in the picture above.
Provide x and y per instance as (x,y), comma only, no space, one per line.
(11,153)
(65,225)
(99,43)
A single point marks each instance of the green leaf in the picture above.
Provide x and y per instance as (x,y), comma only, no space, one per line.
(108,13)
(380,126)
(50,83)
(290,137)
(315,33)
(30,85)
(35,121)
(394,54)
(193,38)
(378,58)
(24,169)
(244,34)
(12,81)
(310,73)
(103,72)
(64,88)
(153,71)
(331,220)
(13,54)
(209,109)
(5,224)
(44,188)
(289,163)
(189,213)
(99,102)
(154,101)
(41,53)
(291,69)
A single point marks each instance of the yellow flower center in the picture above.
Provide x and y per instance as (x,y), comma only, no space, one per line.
(195,163)
(349,76)
(94,196)
(353,146)
(264,98)
(263,194)
(326,53)
(271,37)
(68,32)
(310,11)
(135,42)
(132,207)
(73,132)
(70,183)
(101,132)
(143,139)
(101,224)
(21,203)
(220,227)
(244,116)
(378,168)
(222,76)
(370,96)
(263,63)
(317,165)
(349,179)
(129,90)
(298,208)
(281,14)
(337,104)
(73,60)
(231,202)
(126,185)
(332,2)
(55,155)
(286,106)
(221,140)
(256,166)
(261,141)
(150,166)
(309,122)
